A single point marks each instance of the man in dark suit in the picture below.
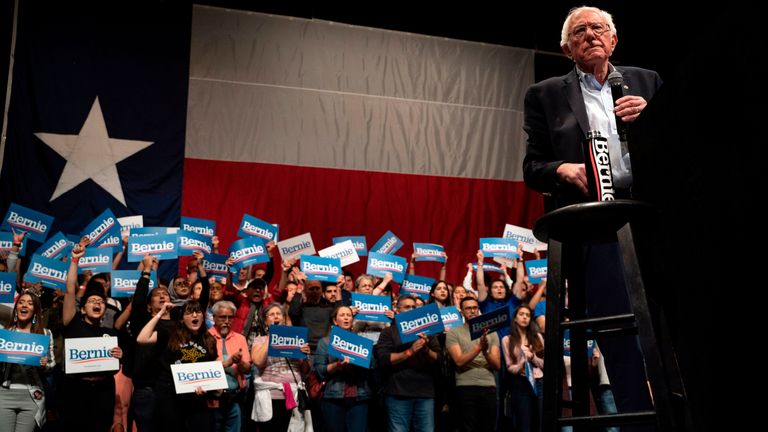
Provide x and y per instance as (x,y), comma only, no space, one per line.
(560,111)
(558,114)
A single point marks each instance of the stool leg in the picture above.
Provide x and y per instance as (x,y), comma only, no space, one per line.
(653,363)
(553,343)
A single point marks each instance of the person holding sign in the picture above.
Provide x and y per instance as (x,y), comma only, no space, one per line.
(347,390)
(22,402)
(476,361)
(524,354)
(96,390)
(275,389)
(409,387)
(187,342)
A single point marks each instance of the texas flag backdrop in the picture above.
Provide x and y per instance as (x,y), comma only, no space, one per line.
(166,109)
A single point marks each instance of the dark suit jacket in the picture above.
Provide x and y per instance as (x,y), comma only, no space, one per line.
(557,125)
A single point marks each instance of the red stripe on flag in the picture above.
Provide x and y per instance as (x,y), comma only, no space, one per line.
(451,211)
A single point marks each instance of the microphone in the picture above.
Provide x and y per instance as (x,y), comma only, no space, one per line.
(616,81)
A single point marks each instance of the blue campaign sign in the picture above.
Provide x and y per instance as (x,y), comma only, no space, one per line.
(428,252)
(6,243)
(379,264)
(124,282)
(57,247)
(499,247)
(425,319)
(189,242)
(387,244)
(246,252)
(254,227)
(286,341)
(488,267)
(215,266)
(567,344)
(345,344)
(451,317)
(361,246)
(7,287)
(321,269)
(19,218)
(149,231)
(162,246)
(23,348)
(493,320)
(417,285)
(104,231)
(536,269)
(51,273)
(203,227)
(97,260)
(371,307)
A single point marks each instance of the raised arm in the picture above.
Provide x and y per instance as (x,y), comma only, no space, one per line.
(70,304)
(148,334)
(482,290)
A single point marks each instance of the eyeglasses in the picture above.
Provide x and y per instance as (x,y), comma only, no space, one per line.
(579,32)
(193,312)
(95,302)
(225,317)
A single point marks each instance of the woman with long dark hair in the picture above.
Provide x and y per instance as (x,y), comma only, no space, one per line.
(22,400)
(524,354)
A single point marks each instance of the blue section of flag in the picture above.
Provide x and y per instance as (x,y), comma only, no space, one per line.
(136,61)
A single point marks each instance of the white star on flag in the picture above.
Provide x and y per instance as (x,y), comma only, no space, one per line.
(91,154)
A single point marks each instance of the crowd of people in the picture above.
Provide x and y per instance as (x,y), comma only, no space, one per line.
(443,382)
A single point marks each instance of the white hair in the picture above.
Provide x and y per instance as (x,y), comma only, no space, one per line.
(564,33)
(223,304)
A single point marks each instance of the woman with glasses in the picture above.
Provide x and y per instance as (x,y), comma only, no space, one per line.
(187,342)
(22,400)
(92,391)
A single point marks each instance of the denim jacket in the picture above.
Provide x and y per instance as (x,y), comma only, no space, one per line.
(334,386)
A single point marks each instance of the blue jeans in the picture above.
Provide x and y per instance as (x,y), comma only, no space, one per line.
(345,415)
(410,414)
(227,417)
(605,404)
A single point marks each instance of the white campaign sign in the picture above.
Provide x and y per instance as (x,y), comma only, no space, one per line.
(189,376)
(295,246)
(90,354)
(344,251)
(524,236)
(128,222)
